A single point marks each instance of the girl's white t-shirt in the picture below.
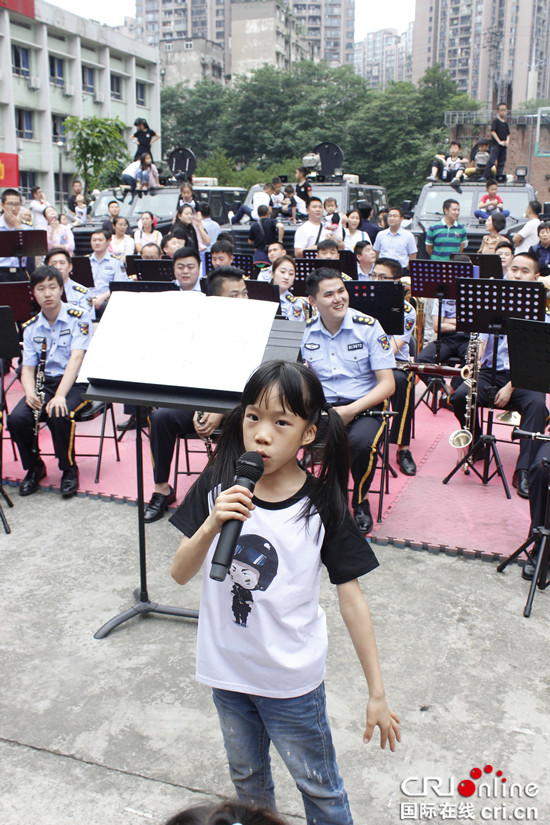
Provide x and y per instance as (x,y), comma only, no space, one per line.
(262,630)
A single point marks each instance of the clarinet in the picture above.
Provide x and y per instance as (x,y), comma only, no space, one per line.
(207,440)
(39,392)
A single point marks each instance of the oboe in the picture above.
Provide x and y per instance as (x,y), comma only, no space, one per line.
(207,440)
(39,392)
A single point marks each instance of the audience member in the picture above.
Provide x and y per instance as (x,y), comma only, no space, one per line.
(129,175)
(290,205)
(144,136)
(372,229)
(505,250)
(189,226)
(58,234)
(187,196)
(147,233)
(491,202)
(450,167)
(527,235)
(352,232)
(541,250)
(120,243)
(495,224)
(147,176)
(260,198)
(264,231)
(332,221)
(113,208)
(478,159)
(210,226)
(38,206)
(312,231)
(77,190)
(500,140)
(396,243)
(277,196)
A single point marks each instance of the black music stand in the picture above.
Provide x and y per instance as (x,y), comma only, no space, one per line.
(490,266)
(242,260)
(131,264)
(158,269)
(19,243)
(82,271)
(484,305)
(9,348)
(384,300)
(436,279)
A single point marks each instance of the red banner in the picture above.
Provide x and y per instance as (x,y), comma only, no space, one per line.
(9,170)
(25,7)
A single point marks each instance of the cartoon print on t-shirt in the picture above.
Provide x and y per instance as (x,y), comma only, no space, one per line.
(254,567)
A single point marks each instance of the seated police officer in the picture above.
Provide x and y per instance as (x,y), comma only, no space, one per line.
(165,425)
(402,401)
(531,405)
(75,294)
(67,333)
(353,358)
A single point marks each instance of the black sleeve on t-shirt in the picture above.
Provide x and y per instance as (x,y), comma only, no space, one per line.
(194,510)
(346,553)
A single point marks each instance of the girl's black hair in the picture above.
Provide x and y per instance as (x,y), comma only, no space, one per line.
(226,813)
(300,391)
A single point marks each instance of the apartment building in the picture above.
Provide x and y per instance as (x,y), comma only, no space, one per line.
(330,25)
(494,49)
(54,64)
(385,56)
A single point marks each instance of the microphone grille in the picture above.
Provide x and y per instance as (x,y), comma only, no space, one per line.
(250,465)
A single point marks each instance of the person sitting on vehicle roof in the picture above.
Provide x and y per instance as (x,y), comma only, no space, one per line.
(263,232)
(478,159)
(262,198)
(289,206)
(449,168)
(491,202)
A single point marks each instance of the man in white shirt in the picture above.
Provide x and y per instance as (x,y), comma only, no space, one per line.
(312,231)
(396,243)
(38,206)
(527,235)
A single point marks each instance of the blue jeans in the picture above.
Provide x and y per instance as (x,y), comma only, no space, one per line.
(300,731)
(496,153)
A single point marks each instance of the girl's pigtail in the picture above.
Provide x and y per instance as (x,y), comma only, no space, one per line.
(229,448)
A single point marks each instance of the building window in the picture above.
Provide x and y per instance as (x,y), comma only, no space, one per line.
(23,124)
(116,87)
(26,182)
(58,130)
(20,61)
(57,71)
(87,79)
(140,93)
(188,44)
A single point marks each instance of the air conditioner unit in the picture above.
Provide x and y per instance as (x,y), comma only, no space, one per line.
(99,97)
(34,82)
(68,90)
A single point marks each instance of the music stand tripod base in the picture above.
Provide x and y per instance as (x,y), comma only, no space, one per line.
(143,608)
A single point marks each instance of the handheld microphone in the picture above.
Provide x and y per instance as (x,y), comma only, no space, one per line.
(250,467)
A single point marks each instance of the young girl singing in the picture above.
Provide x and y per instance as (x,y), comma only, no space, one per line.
(262,638)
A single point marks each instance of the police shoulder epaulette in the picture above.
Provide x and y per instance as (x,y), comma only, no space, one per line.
(346,277)
(408,307)
(76,313)
(291,298)
(363,319)
(30,321)
(312,320)
(79,288)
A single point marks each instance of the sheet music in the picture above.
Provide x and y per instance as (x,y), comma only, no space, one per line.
(179,339)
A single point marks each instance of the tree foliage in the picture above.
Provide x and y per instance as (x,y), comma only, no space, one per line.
(269,119)
(98,148)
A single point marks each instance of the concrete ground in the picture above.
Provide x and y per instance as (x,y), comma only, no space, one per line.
(117,732)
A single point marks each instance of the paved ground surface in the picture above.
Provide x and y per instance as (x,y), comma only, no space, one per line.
(117,732)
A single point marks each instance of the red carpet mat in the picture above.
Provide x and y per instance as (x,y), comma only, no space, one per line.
(462,517)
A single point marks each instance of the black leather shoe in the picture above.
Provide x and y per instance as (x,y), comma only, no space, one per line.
(69,482)
(129,424)
(528,570)
(158,504)
(30,483)
(521,482)
(406,462)
(363,517)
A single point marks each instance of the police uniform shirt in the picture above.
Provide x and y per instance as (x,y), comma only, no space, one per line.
(265,275)
(403,354)
(71,330)
(13,263)
(346,361)
(80,296)
(292,307)
(448,309)
(104,271)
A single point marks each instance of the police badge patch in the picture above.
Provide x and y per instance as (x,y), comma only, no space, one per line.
(384,342)
(84,328)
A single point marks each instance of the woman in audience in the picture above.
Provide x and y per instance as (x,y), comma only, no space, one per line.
(494,224)
(147,233)
(352,234)
(121,244)
(189,226)
(58,234)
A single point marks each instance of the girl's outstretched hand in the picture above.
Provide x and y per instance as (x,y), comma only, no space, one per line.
(379,714)
(232,504)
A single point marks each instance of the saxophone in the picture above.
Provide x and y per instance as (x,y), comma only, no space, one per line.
(461,439)
(207,440)
(39,392)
